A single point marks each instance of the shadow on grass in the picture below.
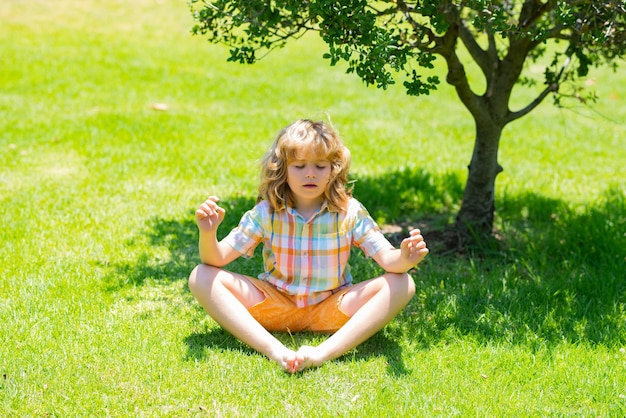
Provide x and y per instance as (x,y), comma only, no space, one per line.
(173,249)
(380,345)
(216,339)
(556,274)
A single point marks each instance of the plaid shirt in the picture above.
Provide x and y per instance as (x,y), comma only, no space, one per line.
(307,259)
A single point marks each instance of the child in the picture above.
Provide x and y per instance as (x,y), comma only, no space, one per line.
(306,220)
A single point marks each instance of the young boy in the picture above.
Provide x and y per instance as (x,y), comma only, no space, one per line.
(307,221)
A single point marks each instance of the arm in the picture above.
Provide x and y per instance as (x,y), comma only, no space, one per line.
(208,217)
(411,252)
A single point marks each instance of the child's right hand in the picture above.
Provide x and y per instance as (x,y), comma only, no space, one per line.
(209,215)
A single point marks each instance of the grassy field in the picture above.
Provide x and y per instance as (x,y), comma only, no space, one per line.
(115,123)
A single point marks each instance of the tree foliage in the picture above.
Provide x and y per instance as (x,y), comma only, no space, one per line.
(380,40)
(398,40)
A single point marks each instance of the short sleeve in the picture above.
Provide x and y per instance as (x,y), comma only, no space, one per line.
(366,233)
(247,235)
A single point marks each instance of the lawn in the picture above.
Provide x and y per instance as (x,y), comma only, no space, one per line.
(115,123)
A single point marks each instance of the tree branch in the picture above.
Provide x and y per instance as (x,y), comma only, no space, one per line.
(472,46)
(531,11)
(457,77)
(417,27)
(511,116)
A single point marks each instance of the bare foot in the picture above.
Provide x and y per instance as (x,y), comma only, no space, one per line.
(309,357)
(288,359)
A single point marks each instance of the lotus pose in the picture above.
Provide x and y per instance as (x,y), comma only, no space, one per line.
(307,221)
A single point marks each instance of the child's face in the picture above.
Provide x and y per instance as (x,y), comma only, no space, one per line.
(308,176)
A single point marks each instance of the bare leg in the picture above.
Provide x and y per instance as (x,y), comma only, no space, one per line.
(371,305)
(225,296)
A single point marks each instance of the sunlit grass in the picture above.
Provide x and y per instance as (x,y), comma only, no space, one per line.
(98,189)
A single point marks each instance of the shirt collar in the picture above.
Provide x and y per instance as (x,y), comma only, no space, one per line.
(321,210)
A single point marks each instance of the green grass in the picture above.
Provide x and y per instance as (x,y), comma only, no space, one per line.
(97,193)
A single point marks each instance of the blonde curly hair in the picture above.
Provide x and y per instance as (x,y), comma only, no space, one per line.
(300,137)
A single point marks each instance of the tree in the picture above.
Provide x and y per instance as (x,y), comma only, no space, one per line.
(385,41)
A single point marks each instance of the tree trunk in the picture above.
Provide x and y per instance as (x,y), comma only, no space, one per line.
(475,218)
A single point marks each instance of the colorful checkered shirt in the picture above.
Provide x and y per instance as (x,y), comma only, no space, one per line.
(307,259)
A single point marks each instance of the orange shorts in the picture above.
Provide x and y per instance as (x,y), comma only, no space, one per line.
(278,312)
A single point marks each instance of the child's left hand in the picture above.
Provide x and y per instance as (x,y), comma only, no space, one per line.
(414,247)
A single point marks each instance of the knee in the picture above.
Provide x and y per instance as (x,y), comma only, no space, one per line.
(410,285)
(201,277)
(403,283)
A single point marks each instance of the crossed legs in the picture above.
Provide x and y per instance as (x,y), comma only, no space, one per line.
(371,304)
(226,297)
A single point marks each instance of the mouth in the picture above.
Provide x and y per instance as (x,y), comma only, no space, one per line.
(310,186)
